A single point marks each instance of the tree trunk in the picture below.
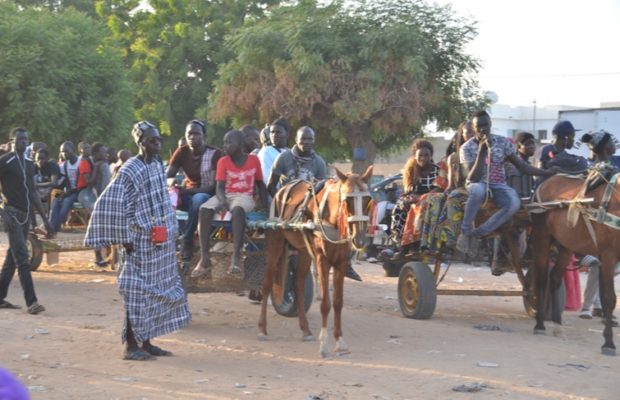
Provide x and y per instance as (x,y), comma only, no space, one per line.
(363,149)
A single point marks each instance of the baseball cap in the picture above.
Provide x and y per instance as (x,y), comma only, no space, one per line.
(564,128)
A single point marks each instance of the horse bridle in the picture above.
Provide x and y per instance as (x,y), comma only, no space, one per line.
(358,207)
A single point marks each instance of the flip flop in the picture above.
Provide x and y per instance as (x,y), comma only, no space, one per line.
(157,351)
(199,272)
(35,308)
(137,355)
(6,305)
(234,270)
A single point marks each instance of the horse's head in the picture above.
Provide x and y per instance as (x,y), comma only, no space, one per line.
(356,198)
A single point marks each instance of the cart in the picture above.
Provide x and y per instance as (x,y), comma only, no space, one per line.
(421,274)
(253,265)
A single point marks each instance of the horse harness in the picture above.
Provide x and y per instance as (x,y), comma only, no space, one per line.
(581,205)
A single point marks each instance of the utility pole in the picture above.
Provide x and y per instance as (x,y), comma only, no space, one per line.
(534,121)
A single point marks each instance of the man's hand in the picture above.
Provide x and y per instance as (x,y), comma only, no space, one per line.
(222,206)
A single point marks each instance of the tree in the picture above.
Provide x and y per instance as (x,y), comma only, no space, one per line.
(60,78)
(364,76)
(173,49)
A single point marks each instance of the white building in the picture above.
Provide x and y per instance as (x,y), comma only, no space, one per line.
(594,119)
(508,121)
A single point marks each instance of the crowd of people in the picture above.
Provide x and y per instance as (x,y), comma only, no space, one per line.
(134,207)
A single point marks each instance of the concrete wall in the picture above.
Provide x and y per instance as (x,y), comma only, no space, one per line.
(593,119)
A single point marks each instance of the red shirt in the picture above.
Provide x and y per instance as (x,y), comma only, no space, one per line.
(239,180)
(84,168)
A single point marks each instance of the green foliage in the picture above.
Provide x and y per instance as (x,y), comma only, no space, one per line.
(173,50)
(60,79)
(364,75)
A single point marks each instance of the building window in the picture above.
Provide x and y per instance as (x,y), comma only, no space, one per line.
(542,134)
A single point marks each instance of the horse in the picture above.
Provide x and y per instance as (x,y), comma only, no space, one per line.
(340,214)
(584,227)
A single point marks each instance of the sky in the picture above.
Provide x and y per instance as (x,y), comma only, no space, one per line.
(549,51)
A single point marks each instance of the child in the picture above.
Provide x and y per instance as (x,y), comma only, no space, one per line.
(237,175)
(101,179)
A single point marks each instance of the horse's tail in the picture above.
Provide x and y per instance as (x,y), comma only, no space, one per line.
(280,276)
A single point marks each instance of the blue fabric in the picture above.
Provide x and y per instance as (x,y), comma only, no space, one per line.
(60,209)
(504,197)
(191,203)
(149,282)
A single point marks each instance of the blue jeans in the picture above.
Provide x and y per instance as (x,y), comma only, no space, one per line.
(504,197)
(60,209)
(17,258)
(191,203)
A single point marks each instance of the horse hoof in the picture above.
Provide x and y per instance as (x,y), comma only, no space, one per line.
(262,337)
(341,347)
(608,351)
(308,338)
(538,331)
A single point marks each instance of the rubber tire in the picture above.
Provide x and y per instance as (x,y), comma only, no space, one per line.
(529,301)
(288,306)
(420,303)
(35,251)
(392,270)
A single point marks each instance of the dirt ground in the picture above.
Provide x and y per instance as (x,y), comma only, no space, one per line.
(73,351)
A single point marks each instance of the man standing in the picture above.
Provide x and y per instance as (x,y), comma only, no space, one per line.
(267,155)
(18,196)
(198,162)
(483,158)
(135,211)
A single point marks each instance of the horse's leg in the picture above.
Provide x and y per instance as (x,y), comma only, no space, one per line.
(339,272)
(556,277)
(541,240)
(276,246)
(303,268)
(608,299)
(322,264)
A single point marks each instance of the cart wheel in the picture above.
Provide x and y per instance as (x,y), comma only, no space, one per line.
(392,269)
(529,300)
(288,306)
(417,293)
(35,251)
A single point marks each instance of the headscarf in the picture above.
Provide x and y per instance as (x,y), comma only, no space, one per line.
(140,128)
(596,141)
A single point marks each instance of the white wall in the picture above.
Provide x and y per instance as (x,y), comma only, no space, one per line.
(595,119)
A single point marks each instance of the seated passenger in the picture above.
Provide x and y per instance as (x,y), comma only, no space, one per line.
(523,184)
(484,157)
(237,176)
(556,155)
(198,161)
(300,162)
(419,178)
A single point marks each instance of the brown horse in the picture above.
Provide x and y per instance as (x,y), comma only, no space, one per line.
(572,234)
(340,213)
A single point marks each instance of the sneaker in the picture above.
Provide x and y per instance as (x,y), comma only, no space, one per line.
(585,314)
(463,243)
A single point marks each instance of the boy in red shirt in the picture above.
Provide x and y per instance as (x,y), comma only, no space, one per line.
(237,175)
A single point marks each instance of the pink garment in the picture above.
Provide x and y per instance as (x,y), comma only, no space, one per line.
(573,288)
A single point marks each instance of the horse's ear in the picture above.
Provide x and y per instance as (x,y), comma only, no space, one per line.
(367,175)
(341,176)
